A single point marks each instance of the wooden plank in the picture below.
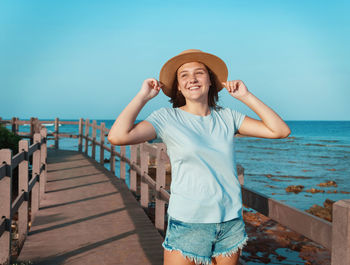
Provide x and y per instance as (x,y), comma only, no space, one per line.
(47,122)
(3,170)
(17,203)
(18,158)
(23,188)
(302,222)
(310,226)
(5,207)
(255,200)
(107,148)
(165,194)
(68,135)
(34,147)
(69,122)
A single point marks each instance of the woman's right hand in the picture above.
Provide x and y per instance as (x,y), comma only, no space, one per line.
(150,88)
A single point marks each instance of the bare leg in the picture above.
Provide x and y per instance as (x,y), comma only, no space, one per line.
(175,258)
(231,260)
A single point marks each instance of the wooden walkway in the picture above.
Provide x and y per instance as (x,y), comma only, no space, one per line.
(88,216)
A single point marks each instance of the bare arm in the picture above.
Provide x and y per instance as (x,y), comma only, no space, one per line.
(124,131)
(270,126)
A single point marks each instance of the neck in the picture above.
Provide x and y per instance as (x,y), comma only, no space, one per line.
(197,108)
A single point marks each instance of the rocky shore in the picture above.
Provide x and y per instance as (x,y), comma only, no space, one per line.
(267,237)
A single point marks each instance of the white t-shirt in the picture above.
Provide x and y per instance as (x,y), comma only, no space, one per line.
(204,186)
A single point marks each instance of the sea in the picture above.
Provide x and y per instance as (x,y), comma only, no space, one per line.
(315,152)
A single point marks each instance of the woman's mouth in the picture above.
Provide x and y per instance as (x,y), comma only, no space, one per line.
(194,88)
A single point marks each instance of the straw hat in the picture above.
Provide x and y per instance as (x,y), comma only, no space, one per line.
(215,64)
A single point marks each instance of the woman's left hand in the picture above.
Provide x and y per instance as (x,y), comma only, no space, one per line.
(236,88)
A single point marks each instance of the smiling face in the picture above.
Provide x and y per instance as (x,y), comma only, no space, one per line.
(193,81)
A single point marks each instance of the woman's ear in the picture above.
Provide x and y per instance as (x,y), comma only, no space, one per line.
(178,88)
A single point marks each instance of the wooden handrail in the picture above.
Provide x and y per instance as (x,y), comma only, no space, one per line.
(35,188)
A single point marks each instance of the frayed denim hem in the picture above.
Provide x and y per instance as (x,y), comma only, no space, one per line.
(234,249)
(192,257)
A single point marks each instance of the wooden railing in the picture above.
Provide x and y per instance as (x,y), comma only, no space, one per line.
(31,188)
(334,236)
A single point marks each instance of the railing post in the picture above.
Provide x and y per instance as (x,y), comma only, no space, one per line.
(80,144)
(36,171)
(57,124)
(160,183)
(102,142)
(341,233)
(133,160)
(31,130)
(43,156)
(112,159)
(93,152)
(13,123)
(240,173)
(17,125)
(122,162)
(37,126)
(87,130)
(144,170)
(5,208)
(22,187)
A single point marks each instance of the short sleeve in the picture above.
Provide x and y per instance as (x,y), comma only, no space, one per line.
(156,118)
(238,118)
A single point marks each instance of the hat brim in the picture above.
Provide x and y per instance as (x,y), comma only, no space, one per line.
(215,64)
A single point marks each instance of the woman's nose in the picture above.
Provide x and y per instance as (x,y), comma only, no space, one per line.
(193,79)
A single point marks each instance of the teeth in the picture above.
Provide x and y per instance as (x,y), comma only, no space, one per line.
(194,87)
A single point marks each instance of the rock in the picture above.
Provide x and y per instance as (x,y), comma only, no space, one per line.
(313,190)
(328,204)
(322,212)
(328,184)
(294,188)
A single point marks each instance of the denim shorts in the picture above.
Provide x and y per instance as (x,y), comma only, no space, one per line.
(199,242)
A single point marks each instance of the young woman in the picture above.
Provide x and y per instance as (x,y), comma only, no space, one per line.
(205,224)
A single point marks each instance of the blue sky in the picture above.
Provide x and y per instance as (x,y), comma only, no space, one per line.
(88,59)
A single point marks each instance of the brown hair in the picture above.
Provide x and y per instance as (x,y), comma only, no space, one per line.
(178,100)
